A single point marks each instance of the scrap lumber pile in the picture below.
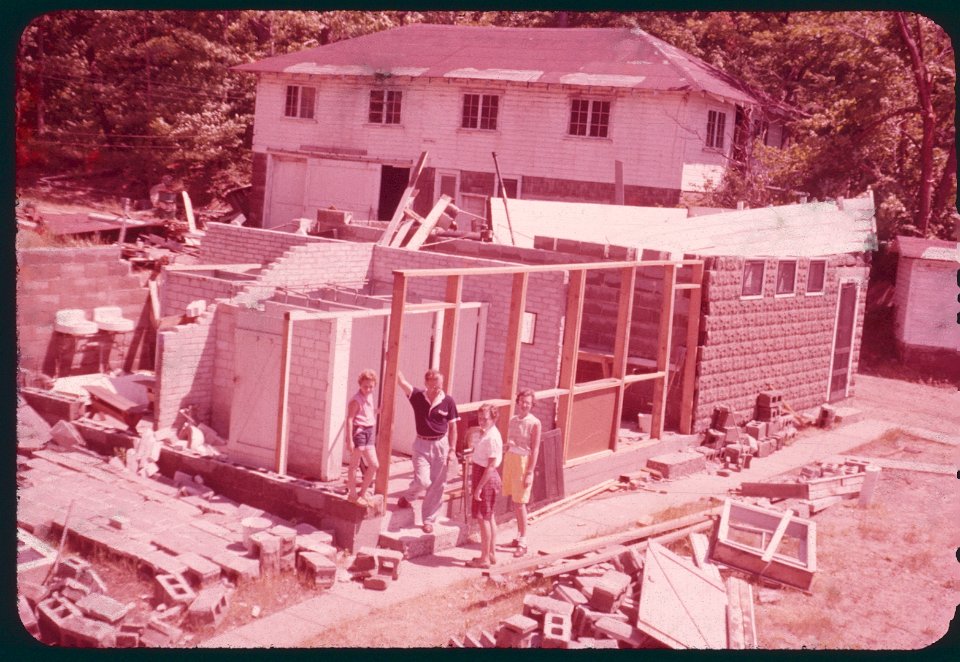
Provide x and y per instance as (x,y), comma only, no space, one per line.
(820,485)
(736,445)
(616,592)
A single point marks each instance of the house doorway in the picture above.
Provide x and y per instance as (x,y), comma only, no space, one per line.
(393,181)
(843,342)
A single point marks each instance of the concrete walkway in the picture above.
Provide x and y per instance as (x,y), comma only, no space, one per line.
(603,514)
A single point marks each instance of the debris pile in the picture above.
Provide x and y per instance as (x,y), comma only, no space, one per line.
(196,545)
(736,445)
(608,594)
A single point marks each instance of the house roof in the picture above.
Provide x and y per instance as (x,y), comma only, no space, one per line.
(601,57)
(929,249)
(801,230)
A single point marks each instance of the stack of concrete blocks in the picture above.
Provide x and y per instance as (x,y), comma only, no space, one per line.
(50,279)
(518,631)
(376,567)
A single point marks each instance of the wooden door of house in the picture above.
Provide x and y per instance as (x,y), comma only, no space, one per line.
(256,396)
(843,342)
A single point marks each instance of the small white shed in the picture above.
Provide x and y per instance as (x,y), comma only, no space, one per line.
(927,328)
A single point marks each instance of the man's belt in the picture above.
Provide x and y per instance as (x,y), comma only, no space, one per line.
(420,436)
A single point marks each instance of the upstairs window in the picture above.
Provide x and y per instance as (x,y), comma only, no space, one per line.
(480,111)
(385,106)
(786,277)
(752,279)
(816,276)
(716,122)
(300,102)
(589,117)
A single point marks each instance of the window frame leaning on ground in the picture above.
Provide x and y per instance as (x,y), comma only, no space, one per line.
(588,123)
(744,281)
(716,126)
(388,109)
(823,278)
(295,105)
(472,115)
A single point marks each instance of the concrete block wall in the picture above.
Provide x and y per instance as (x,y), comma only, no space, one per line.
(232,244)
(180,288)
(546,297)
(784,343)
(322,262)
(318,372)
(185,369)
(224,334)
(51,279)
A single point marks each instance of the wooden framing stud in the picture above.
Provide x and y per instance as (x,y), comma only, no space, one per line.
(663,351)
(689,368)
(384,443)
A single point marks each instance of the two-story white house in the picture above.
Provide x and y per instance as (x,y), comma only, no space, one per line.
(572,114)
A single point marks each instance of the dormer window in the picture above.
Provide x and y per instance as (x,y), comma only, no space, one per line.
(385,106)
(300,102)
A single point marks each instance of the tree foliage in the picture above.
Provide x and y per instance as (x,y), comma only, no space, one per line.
(869,96)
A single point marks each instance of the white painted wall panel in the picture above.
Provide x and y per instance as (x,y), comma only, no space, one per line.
(930,317)
(652,134)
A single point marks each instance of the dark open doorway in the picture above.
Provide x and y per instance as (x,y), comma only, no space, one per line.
(393,181)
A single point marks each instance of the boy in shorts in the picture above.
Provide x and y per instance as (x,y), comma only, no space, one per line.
(361,422)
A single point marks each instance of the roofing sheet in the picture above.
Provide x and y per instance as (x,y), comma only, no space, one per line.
(929,249)
(801,230)
(607,57)
(680,604)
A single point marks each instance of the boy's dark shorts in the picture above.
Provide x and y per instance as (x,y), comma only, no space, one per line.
(363,437)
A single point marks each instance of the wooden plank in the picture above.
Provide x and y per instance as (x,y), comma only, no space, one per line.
(404,201)
(154,302)
(283,418)
(774,490)
(749,620)
(735,638)
(572,500)
(621,348)
(405,228)
(700,545)
(428,224)
(548,474)
(511,359)
(384,438)
(777,536)
(663,350)
(451,328)
(622,538)
(537,268)
(569,353)
(689,368)
(618,549)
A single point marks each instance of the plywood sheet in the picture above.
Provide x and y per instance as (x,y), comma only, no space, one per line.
(680,605)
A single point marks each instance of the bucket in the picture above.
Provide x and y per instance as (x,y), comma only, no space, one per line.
(253,525)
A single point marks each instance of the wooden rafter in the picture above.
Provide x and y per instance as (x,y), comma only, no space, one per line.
(567,388)
(663,351)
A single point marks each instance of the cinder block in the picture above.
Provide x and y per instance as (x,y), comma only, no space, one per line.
(209,607)
(766,447)
(51,613)
(537,606)
(487,640)
(27,617)
(79,632)
(557,629)
(757,429)
(594,643)
(287,536)
(520,624)
(568,594)
(268,551)
(158,634)
(128,639)
(173,589)
(388,563)
(103,608)
(73,590)
(200,571)
(620,631)
(318,568)
(674,465)
(365,560)
(609,590)
(71,567)
(375,583)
